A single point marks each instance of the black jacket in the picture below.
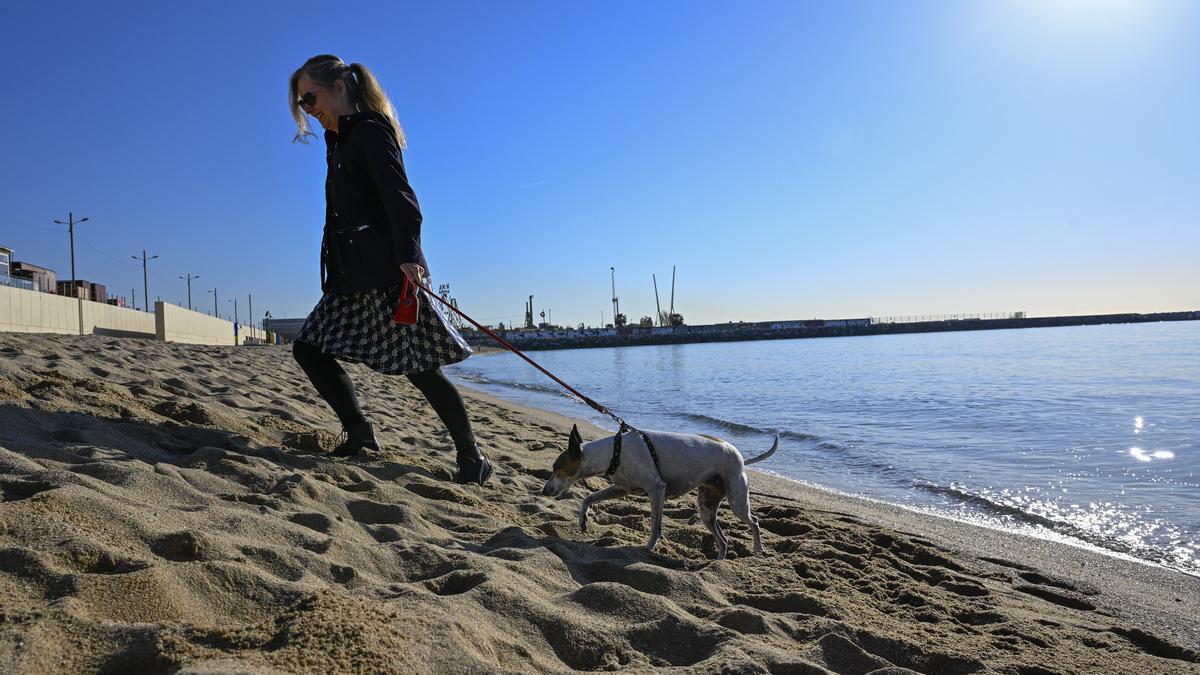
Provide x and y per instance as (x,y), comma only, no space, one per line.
(372,219)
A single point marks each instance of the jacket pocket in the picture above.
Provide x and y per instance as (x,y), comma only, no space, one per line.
(363,252)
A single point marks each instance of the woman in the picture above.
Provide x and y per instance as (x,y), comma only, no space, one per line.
(372,243)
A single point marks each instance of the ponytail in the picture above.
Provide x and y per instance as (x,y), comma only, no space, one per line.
(367,92)
(363,88)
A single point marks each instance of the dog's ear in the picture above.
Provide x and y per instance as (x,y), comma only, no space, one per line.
(575,442)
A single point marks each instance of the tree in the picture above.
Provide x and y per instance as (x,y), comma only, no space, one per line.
(620,320)
(677,319)
(646,322)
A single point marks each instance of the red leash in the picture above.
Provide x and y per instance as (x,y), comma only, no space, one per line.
(598,407)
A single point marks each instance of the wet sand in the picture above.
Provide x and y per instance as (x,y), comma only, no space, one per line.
(166,508)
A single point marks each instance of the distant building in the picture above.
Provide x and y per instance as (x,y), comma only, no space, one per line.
(83,289)
(44,280)
(287,329)
(7,278)
(64,288)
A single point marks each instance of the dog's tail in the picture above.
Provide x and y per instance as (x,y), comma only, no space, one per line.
(767,453)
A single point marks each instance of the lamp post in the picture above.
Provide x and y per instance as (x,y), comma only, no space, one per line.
(189,282)
(71,229)
(235,319)
(215,312)
(145,284)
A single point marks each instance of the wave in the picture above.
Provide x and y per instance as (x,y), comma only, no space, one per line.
(988,505)
(847,454)
(994,507)
(750,429)
(524,386)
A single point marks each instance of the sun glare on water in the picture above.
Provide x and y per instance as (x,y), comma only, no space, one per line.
(1143,456)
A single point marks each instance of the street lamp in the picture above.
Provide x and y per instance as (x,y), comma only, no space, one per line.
(189,280)
(235,319)
(215,312)
(145,285)
(71,229)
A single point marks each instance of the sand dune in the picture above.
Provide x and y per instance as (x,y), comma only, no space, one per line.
(166,509)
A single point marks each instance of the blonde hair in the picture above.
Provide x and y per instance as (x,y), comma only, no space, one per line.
(362,87)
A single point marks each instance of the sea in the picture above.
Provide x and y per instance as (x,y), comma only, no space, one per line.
(1085,434)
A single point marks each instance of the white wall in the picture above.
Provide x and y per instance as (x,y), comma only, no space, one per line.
(176,324)
(25,311)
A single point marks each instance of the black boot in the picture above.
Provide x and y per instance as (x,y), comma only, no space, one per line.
(358,436)
(473,467)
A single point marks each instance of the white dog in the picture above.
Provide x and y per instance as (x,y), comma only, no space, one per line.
(687,462)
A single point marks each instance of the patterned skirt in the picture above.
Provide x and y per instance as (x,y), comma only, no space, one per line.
(359,327)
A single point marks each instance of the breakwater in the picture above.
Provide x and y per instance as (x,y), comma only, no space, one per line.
(786,330)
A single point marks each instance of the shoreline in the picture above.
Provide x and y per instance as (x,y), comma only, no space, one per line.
(1139,580)
(167,507)
(1065,532)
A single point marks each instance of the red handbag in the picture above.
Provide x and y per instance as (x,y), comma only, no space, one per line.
(406,311)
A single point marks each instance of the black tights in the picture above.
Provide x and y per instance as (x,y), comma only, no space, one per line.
(334,385)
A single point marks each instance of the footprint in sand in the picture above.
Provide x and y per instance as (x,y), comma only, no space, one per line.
(343,574)
(384,534)
(90,558)
(368,512)
(443,493)
(317,522)
(785,603)
(784,528)
(456,582)
(16,490)
(676,640)
(181,546)
(191,413)
(1057,597)
(963,587)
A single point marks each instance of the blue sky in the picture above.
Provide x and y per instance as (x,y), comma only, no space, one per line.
(793,159)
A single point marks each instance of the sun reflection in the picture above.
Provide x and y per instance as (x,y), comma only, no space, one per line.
(1137,425)
(1143,456)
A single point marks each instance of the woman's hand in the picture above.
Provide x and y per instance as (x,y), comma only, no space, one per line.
(414,272)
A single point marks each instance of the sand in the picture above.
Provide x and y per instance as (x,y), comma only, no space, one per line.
(165,508)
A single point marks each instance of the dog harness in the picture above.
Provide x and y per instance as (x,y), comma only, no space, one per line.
(616,457)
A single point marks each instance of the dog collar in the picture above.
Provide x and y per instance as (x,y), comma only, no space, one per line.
(616,456)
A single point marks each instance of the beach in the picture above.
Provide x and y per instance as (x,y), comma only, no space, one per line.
(166,508)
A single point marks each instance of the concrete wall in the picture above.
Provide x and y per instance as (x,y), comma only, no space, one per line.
(24,311)
(176,324)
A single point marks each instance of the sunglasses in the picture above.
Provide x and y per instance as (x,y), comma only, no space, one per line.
(309,99)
